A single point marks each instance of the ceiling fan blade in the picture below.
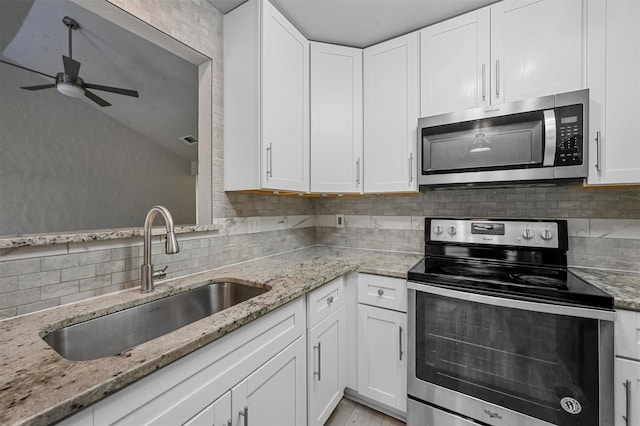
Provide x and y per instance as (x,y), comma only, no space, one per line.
(43,86)
(71,67)
(97,99)
(117,90)
(25,68)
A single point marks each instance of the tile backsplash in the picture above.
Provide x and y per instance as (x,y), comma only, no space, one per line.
(604,223)
(35,278)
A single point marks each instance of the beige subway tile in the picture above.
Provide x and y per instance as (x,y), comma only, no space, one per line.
(78,273)
(38,279)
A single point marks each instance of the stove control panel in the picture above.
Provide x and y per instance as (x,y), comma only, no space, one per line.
(544,234)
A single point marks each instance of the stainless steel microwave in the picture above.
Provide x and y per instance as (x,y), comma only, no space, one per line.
(540,139)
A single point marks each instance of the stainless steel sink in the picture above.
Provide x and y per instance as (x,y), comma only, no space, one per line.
(122,330)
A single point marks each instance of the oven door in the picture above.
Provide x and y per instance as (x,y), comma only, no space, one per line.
(509,362)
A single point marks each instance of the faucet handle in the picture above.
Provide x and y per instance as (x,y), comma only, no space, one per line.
(162,273)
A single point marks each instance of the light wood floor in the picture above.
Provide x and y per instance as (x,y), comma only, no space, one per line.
(351,413)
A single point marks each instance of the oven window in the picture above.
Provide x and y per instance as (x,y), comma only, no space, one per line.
(529,362)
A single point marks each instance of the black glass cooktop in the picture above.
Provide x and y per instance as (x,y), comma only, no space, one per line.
(521,281)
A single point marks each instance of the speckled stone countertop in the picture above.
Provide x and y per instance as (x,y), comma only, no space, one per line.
(623,286)
(39,387)
(28,240)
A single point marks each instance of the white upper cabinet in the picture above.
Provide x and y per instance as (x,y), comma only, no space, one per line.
(336,119)
(536,48)
(613,68)
(512,50)
(266,93)
(455,64)
(391,115)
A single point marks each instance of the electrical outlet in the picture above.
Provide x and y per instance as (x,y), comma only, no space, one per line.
(339,221)
(253,225)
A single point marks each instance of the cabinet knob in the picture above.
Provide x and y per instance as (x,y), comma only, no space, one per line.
(329,300)
(380,292)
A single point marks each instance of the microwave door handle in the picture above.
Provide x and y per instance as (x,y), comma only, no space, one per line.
(549,137)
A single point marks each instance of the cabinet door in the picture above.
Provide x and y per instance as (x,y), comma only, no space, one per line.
(613,67)
(627,334)
(391,115)
(285,103)
(627,374)
(326,357)
(536,48)
(336,118)
(382,360)
(216,414)
(275,394)
(454,64)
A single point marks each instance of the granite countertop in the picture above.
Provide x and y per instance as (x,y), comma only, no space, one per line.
(39,387)
(28,240)
(623,286)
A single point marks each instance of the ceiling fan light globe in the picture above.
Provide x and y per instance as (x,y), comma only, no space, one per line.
(70,89)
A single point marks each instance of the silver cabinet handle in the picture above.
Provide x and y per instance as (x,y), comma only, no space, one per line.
(245,414)
(329,300)
(358,172)
(380,292)
(598,151)
(627,418)
(400,342)
(498,78)
(410,167)
(484,82)
(270,160)
(317,373)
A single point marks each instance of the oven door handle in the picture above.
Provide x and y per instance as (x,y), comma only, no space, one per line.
(549,308)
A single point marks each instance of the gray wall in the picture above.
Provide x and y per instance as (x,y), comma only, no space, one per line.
(64,166)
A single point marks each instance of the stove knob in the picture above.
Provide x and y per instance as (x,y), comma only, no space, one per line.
(527,234)
(452,230)
(546,235)
(437,229)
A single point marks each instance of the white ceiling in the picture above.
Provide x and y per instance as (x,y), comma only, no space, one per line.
(362,23)
(109,55)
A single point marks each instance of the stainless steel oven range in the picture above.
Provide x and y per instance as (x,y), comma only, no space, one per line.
(502,333)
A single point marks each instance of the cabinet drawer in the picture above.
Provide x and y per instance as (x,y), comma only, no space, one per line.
(325,300)
(384,292)
(627,334)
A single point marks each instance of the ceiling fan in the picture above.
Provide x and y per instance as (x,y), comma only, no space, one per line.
(68,82)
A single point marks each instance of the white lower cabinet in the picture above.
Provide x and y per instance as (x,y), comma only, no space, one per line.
(261,366)
(382,340)
(382,356)
(627,369)
(275,394)
(218,413)
(326,350)
(626,388)
(326,354)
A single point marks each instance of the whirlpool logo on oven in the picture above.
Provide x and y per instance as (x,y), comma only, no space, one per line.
(570,405)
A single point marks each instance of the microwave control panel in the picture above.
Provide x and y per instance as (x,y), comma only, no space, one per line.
(570,138)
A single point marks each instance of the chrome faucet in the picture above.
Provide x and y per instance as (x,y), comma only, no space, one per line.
(171,247)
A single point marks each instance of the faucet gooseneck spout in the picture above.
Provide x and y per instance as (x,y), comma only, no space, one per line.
(147,274)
